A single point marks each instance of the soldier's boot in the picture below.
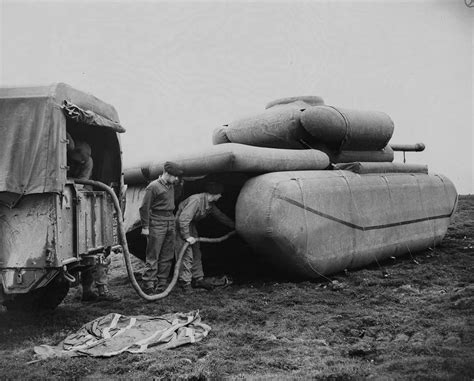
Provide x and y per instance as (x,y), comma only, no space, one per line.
(201,283)
(160,287)
(106,295)
(185,287)
(148,288)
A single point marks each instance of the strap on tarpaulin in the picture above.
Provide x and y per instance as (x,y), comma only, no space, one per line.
(114,333)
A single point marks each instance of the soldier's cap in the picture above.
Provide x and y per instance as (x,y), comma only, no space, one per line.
(173,169)
(214,188)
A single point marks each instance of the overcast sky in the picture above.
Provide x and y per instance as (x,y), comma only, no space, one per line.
(176,70)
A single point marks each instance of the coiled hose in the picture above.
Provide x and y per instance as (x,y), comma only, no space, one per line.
(126,253)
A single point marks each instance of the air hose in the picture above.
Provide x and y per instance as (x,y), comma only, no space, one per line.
(126,253)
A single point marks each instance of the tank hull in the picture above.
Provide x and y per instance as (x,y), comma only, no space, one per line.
(314,223)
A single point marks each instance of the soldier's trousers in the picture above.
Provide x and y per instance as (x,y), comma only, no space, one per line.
(97,274)
(159,252)
(191,266)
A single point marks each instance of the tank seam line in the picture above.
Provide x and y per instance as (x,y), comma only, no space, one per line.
(359,227)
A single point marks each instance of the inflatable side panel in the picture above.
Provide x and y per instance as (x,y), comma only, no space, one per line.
(232,157)
(348,129)
(383,155)
(134,199)
(314,223)
(368,167)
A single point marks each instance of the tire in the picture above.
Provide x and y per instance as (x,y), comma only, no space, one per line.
(44,298)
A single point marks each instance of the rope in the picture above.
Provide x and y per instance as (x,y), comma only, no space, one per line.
(126,253)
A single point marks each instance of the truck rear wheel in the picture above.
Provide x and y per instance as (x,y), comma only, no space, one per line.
(44,298)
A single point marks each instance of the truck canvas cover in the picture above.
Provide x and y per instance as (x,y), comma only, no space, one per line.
(33,135)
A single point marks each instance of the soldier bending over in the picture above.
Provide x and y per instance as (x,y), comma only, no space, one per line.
(191,210)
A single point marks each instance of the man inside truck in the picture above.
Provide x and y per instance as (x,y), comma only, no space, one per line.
(80,167)
(80,161)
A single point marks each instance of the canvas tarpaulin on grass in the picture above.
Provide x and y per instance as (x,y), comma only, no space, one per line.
(114,333)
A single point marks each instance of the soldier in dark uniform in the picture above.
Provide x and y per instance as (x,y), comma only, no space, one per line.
(158,225)
(190,211)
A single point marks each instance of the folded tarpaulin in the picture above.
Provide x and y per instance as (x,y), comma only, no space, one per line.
(89,117)
(114,333)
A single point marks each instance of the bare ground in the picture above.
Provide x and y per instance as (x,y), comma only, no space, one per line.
(408,318)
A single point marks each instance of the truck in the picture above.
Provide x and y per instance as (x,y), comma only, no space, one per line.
(51,226)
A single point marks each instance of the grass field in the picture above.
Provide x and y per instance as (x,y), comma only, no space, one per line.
(408,318)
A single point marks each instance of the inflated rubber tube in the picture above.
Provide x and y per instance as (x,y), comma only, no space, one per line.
(299,101)
(348,129)
(233,157)
(277,127)
(314,223)
(368,167)
(281,126)
(219,136)
(383,155)
(417,147)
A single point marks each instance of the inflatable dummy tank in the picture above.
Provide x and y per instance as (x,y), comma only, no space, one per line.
(321,192)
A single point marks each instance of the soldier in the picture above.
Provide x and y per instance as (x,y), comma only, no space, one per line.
(97,274)
(80,161)
(70,143)
(158,225)
(191,210)
(81,165)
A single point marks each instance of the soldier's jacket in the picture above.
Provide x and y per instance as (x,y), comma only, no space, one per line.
(81,170)
(195,208)
(158,202)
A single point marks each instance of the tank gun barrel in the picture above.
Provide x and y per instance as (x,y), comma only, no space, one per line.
(417,147)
